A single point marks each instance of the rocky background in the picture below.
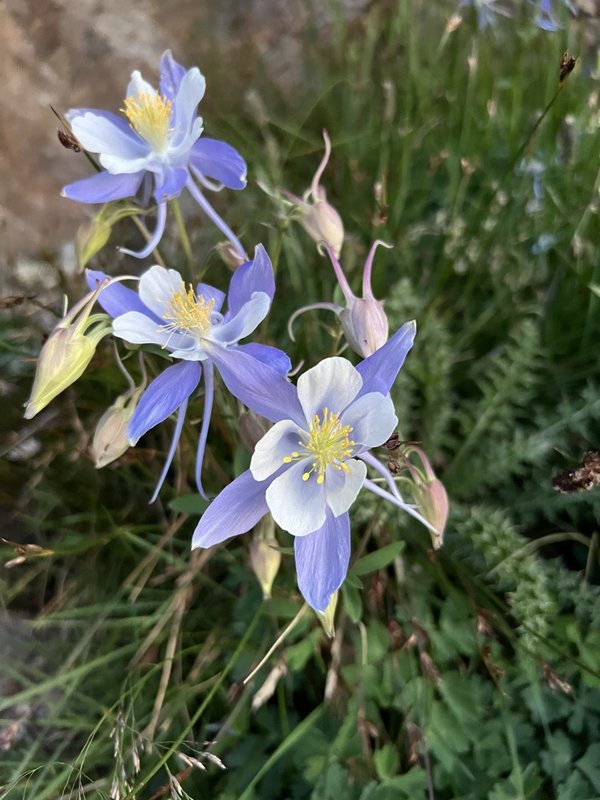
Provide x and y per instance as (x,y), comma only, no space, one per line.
(69,54)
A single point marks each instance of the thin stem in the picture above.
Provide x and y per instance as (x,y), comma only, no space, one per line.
(183,234)
(212,214)
(276,643)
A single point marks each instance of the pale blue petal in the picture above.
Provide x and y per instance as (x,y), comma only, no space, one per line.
(380,369)
(157,287)
(272,356)
(341,487)
(190,92)
(258,386)
(152,244)
(180,419)
(296,505)
(209,293)
(164,396)
(332,384)
(253,276)
(117,299)
(235,510)
(219,161)
(171,74)
(141,329)
(277,443)
(373,419)
(322,560)
(103,187)
(209,394)
(244,322)
(101,135)
(170,183)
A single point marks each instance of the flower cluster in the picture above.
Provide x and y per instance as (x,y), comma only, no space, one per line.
(313,453)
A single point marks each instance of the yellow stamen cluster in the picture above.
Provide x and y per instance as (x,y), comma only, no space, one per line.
(328,443)
(150,115)
(188,312)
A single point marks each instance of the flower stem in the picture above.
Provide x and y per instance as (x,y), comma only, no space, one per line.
(183,235)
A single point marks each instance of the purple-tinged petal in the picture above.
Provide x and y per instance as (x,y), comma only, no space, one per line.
(100,134)
(271,356)
(333,383)
(244,322)
(209,293)
(209,394)
(152,244)
(219,161)
(170,183)
(342,488)
(235,510)
(253,276)
(117,299)
(189,94)
(322,560)
(297,505)
(278,443)
(258,386)
(103,187)
(171,75)
(164,396)
(379,370)
(372,418)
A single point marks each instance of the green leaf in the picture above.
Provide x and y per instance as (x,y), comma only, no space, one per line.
(189,504)
(352,601)
(386,762)
(377,560)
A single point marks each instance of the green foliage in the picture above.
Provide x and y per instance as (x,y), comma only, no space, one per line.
(458,674)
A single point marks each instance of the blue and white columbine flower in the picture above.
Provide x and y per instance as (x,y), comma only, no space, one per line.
(190,325)
(545,17)
(309,467)
(487,10)
(156,148)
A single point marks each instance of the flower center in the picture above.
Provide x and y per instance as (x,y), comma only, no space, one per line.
(150,115)
(188,312)
(327,443)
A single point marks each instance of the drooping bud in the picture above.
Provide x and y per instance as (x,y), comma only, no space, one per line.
(429,494)
(265,558)
(68,351)
(327,617)
(111,438)
(318,217)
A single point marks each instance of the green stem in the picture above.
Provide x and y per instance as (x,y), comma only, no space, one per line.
(183,234)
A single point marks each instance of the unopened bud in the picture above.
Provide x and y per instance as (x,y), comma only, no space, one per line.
(365,325)
(111,439)
(67,352)
(430,496)
(327,617)
(230,256)
(265,558)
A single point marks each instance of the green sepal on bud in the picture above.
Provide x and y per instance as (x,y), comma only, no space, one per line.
(111,437)
(68,351)
(327,617)
(93,235)
(265,556)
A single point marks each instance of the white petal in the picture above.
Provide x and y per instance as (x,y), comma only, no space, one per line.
(297,506)
(277,443)
(137,86)
(157,287)
(333,383)
(123,165)
(372,418)
(101,135)
(139,329)
(341,487)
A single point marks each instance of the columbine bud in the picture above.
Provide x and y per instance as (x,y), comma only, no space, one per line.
(318,217)
(110,437)
(430,495)
(265,558)
(365,325)
(327,617)
(67,352)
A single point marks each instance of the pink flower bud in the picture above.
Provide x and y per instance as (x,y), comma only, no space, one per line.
(429,494)
(365,325)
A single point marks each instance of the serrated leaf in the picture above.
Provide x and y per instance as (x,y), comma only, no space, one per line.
(377,560)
